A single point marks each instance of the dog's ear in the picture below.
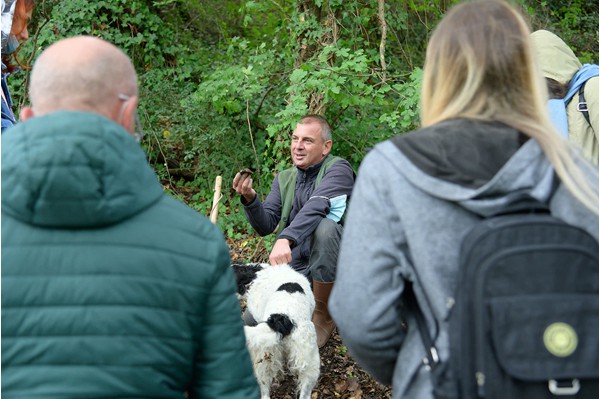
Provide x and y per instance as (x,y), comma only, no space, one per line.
(245,273)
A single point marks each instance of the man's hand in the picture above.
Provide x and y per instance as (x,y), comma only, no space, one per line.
(242,184)
(281,253)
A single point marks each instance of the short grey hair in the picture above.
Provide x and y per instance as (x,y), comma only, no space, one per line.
(325,128)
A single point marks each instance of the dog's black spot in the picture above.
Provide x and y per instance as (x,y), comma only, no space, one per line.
(280,323)
(245,274)
(291,288)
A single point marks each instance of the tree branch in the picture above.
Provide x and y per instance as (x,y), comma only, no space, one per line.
(251,135)
(383,25)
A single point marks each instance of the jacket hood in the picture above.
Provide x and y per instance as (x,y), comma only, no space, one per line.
(556,59)
(74,169)
(481,166)
(527,175)
(7,8)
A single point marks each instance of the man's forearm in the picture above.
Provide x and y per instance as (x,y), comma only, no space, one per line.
(260,219)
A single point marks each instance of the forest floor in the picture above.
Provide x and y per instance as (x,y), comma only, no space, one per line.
(341,377)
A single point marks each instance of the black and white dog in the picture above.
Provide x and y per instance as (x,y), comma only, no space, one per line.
(282,303)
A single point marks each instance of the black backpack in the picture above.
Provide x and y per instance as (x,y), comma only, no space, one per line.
(525,319)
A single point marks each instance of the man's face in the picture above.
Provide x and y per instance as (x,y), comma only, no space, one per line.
(308,147)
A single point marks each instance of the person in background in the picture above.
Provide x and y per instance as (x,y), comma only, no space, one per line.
(15,18)
(110,287)
(559,66)
(486,140)
(305,208)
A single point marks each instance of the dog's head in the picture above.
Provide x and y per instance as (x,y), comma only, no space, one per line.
(245,273)
(280,323)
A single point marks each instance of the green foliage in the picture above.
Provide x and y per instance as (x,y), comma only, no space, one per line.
(224,82)
(133,25)
(575,21)
(406,114)
(344,76)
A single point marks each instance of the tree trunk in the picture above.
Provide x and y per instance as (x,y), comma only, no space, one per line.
(309,48)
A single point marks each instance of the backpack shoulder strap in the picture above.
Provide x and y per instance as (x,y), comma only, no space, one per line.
(431,359)
(582,104)
(577,86)
(585,73)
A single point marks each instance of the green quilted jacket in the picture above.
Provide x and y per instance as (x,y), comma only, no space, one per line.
(110,288)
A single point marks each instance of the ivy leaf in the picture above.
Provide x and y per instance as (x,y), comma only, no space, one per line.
(298,75)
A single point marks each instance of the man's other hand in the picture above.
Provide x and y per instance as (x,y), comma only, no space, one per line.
(281,253)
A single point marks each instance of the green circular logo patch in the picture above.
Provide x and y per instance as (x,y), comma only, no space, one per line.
(560,339)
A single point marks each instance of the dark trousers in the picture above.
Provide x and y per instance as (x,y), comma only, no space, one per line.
(325,248)
(316,257)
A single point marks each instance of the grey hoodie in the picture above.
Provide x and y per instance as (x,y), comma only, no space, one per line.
(407,217)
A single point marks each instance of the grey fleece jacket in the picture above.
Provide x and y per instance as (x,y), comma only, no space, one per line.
(408,215)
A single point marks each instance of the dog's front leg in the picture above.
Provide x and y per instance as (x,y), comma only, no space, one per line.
(265,391)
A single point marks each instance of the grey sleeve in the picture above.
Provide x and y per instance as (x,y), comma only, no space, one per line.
(366,295)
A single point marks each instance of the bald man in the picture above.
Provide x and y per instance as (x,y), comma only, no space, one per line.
(110,288)
(84,74)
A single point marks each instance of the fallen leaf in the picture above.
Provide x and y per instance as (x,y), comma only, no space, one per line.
(353,384)
(341,386)
(357,395)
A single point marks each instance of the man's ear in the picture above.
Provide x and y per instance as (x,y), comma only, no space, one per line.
(327,147)
(26,113)
(128,115)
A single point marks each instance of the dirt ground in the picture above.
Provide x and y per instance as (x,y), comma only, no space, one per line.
(340,378)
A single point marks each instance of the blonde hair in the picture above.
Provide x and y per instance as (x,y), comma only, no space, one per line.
(480,65)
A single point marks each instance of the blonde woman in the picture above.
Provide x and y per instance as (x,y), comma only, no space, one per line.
(486,141)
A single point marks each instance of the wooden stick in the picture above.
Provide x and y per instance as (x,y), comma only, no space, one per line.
(214,213)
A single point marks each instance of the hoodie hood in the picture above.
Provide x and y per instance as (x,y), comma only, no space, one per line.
(7,8)
(74,170)
(556,59)
(481,166)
